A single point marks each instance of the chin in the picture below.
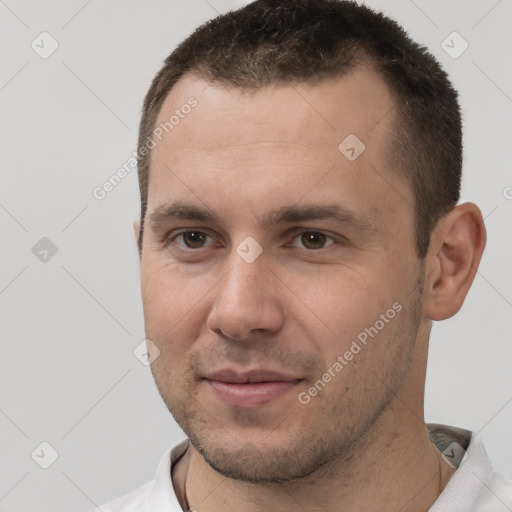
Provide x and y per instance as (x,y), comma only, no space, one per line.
(262,461)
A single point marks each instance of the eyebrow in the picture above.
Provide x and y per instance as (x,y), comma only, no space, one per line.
(286,214)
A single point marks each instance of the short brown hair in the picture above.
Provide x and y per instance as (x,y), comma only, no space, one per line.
(295,41)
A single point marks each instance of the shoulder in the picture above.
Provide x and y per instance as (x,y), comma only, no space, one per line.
(496,495)
(474,486)
(156,495)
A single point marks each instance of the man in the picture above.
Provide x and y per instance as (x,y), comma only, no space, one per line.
(299,168)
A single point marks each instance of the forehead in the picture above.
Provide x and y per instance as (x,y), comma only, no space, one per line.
(318,115)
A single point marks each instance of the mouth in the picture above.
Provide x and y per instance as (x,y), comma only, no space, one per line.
(250,389)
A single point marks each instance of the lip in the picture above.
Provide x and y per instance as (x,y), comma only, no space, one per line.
(250,389)
(237,377)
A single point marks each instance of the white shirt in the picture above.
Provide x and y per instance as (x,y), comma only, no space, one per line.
(474,487)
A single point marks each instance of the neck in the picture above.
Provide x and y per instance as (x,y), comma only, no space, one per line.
(401,470)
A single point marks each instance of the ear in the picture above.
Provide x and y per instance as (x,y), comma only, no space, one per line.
(456,247)
(136,230)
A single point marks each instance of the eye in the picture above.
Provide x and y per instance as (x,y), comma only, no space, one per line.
(314,240)
(192,239)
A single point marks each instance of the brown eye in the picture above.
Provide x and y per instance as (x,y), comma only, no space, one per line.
(314,240)
(194,239)
(190,239)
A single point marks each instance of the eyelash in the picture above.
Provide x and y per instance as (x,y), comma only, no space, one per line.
(296,234)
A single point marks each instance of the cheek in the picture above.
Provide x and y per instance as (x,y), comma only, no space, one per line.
(345,311)
(334,303)
(174,307)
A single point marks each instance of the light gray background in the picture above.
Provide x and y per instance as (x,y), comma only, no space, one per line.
(69,325)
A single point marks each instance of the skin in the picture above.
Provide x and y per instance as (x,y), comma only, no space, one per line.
(361,442)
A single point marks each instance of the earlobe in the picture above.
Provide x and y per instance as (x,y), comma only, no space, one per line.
(457,245)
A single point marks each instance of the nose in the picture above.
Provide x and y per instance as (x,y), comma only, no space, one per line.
(247,300)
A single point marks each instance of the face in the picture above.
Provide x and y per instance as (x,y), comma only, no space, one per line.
(278,272)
